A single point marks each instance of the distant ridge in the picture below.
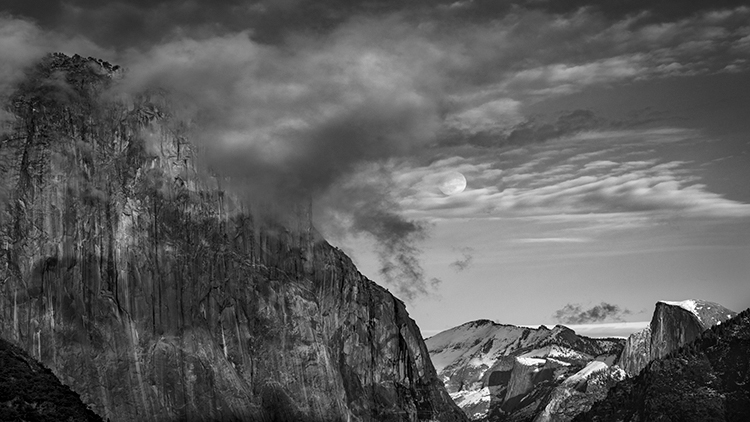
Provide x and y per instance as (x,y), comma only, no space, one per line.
(505,372)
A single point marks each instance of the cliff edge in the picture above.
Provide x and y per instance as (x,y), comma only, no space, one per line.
(156,295)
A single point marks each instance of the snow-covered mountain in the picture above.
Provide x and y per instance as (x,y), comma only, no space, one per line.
(497,372)
(507,372)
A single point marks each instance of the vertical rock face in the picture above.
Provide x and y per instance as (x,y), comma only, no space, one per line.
(672,325)
(637,352)
(155,295)
(506,373)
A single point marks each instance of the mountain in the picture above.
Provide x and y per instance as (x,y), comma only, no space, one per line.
(502,372)
(672,325)
(157,295)
(31,392)
(707,380)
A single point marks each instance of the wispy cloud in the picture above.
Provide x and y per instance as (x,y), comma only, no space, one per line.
(569,178)
(23,43)
(467,257)
(553,240)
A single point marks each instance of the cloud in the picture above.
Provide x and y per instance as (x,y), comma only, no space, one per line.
(23,43)
(296,98)
(495,61)
(573,313)
(311,119)
(299,117)
(286,124)
(126,24)
(569,177)
(536,53)
(493,115)
(512,129)
(314,119)
(463,263)
(553,240)
(364,203)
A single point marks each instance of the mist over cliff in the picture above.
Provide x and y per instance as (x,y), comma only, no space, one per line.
(157,292)
(315,120)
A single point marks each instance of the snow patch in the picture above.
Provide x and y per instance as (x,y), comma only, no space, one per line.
(556,351)
(586,372)
(528,361)
(688,305)
(470,398)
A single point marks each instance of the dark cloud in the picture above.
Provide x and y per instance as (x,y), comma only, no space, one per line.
(23,44)
(296,119)
(363,203)
(289,124)
(291,98)
(647,11)
(138,23)
(307,119)
(467,257)
(574,313)
(567,123)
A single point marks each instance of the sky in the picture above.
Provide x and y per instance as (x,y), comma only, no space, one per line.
(605,144)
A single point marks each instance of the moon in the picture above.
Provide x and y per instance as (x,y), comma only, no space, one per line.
(452,183)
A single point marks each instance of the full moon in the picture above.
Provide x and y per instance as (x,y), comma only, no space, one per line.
(452,183)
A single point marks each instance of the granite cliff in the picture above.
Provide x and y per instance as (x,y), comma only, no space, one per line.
(501,372)
(672,325)
(157,295)
(705,380)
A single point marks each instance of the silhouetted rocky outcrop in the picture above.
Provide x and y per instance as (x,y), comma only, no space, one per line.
(31,392)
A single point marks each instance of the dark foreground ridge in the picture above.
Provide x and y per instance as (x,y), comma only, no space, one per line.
(707,380)
(31,392)
(158,296)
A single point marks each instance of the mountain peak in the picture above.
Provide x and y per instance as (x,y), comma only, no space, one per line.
(707,313)
(487,366)
(480,323)
(673,324)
